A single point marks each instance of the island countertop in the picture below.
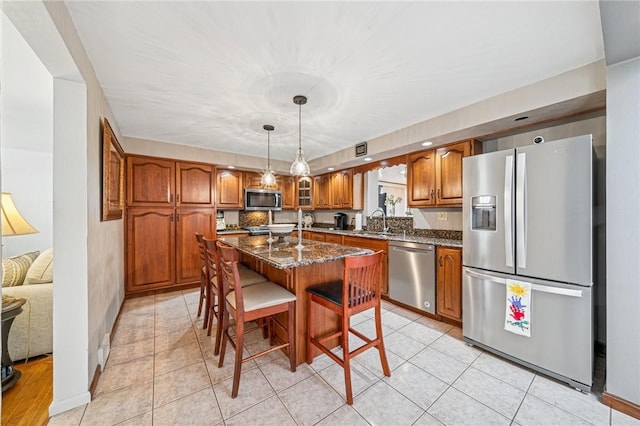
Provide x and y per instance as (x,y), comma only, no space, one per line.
(286,255)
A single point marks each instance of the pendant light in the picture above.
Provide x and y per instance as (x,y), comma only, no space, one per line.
(268,180)
(300,167)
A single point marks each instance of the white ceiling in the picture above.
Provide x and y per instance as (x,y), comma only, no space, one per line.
(210,74)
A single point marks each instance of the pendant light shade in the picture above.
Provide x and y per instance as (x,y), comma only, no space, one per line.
(268,179)
(300,167)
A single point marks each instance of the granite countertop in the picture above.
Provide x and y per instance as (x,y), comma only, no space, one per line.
(390,237)
(232,231)
(286,255)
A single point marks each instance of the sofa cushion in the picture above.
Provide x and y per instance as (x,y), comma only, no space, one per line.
(14,269)
(41,271)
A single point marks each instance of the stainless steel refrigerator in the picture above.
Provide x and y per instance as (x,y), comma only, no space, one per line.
(527,221)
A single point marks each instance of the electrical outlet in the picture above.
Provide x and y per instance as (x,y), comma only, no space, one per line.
(442,215)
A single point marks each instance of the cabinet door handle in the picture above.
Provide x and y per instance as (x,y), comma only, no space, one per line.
(432,193)
(438,193)
(177,198)
(177,217)
(440,261)
(171,198)
(171,217)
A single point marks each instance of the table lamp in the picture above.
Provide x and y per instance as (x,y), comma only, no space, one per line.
(12,221)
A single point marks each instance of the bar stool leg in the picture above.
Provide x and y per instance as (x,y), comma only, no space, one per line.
(292,334)
(238,359)
(310,328)
(380,345)
(346,358)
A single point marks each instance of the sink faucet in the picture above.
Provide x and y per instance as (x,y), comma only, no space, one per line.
(384,219)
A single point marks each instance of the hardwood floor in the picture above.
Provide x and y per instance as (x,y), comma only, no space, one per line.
(27,402)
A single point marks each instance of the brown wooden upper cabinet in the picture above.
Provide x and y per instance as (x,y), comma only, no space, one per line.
(229,189)
(156,182)
(449,172)
(322,192)
(252,180)
(421,179)
(334,190)
(304,199)
(434,177)
(342,189)
(287,185)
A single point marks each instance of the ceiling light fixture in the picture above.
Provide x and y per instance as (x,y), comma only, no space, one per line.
(300,167)
(368,159)
(524,117)
(268,180)
(427,143)
(331,168)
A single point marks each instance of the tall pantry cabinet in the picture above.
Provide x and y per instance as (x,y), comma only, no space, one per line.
(167,203)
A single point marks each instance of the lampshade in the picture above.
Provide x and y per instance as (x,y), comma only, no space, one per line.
(268,179)
(300,167)
(12,221)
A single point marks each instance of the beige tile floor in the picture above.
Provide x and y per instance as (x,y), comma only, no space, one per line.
(161,371)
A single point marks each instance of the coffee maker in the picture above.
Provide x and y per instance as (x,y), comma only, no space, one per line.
(339,221)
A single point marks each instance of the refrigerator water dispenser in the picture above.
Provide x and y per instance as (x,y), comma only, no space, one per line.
(483,213)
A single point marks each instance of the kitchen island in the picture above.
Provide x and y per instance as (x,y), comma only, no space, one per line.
(296,270)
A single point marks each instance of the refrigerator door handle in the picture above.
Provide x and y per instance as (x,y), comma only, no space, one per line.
(521,208)
(535,287)
(508,207)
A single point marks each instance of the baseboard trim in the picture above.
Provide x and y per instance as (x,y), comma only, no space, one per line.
(94,381)
(142,293)
(627,407)
(69,404)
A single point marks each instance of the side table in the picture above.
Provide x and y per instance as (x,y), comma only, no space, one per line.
(11,307)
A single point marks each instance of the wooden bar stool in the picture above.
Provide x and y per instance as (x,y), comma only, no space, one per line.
(247,276)
(252,303)
(360,287)
(205,298)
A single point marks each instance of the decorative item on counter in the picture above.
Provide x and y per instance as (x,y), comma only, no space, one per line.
(391,201)
(299,246)
(281,230)
(307,220)
(358,226)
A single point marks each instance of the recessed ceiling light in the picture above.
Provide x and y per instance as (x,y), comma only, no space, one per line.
(427,143)
(331,168)
(231,167)
(524,117)
(367,159)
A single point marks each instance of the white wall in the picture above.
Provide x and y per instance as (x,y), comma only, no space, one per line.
(26,135)
(89,253)
(623,230)
(28,176)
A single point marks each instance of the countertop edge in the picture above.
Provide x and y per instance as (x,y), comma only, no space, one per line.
(393,237)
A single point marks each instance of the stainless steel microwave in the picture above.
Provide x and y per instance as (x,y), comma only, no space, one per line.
(262,199)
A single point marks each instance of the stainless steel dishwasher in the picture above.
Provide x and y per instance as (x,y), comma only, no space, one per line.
(412,274)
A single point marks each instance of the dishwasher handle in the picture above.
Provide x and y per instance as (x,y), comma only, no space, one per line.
(428,249)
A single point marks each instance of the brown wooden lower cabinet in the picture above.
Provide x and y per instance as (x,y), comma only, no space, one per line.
(449,287)
(375,245)
(161,250)
(333,238)
(317,236)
